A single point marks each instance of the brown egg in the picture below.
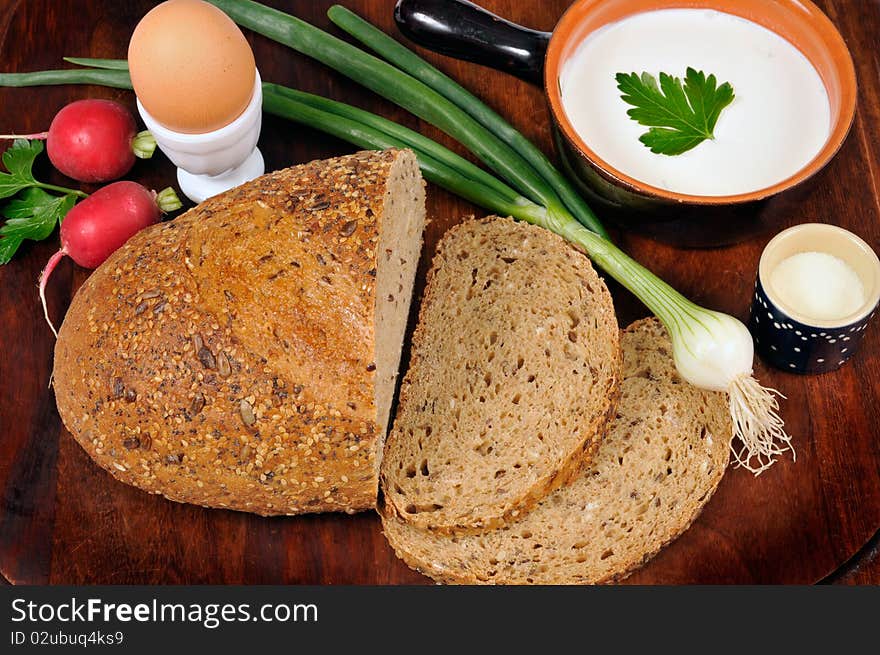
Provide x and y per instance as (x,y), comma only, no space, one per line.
(191,67)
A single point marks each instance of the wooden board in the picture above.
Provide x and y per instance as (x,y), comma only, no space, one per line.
(63,520)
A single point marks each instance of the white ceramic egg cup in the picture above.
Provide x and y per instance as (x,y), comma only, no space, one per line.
(214,162)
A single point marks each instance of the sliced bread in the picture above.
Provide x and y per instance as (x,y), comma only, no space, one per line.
(514,375)
(244,355)
(662,459)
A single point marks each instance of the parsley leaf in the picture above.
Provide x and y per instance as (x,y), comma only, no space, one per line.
(19,161)
(32,215)
(8,247)
(681,115)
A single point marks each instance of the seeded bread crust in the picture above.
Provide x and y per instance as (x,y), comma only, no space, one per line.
(226,358)
(530,276)
(657,468)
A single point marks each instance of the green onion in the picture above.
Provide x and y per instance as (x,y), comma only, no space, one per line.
(290,104)
(439,164)
(112,78)
(711,350)
(408,61)
(409,138)
(705,343)
(396,86)
(106,64)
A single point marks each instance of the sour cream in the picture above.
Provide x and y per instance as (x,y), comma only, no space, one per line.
(778,122)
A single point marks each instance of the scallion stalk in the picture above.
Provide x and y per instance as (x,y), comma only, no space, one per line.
(105,64)
(711,350)
(101,77)
(287,103)
(396,86)
(410,62)
(409,138)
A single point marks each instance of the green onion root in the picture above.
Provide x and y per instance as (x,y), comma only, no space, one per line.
(761,431)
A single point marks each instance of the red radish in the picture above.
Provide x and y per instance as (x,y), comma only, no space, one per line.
(101,223)
(94,141)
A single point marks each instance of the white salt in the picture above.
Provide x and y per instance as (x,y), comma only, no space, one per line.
(818,285)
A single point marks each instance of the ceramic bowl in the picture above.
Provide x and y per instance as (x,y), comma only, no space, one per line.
(798,21)
(463,30)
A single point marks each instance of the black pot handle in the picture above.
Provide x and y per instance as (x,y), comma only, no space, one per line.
(463,30)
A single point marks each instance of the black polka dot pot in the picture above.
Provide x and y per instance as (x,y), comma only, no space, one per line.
(783,337)
(796,347)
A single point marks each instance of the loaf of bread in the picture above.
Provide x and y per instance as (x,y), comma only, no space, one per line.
(514,374)
(659,464)
(244,355)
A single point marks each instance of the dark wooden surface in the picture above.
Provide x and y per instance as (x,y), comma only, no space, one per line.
(63,520)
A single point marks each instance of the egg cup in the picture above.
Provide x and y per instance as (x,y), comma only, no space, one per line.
(796,343)
(213,162)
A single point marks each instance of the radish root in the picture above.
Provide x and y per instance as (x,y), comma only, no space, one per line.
(39,136)
(44,278)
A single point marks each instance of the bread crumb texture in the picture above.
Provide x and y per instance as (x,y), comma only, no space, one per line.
(514,375)
(661,461)
(226,358)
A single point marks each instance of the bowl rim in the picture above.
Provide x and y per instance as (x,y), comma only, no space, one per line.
(864,311)
(562,33)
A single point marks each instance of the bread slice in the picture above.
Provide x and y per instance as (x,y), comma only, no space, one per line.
(514,375)
(244,355)
(662,459)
